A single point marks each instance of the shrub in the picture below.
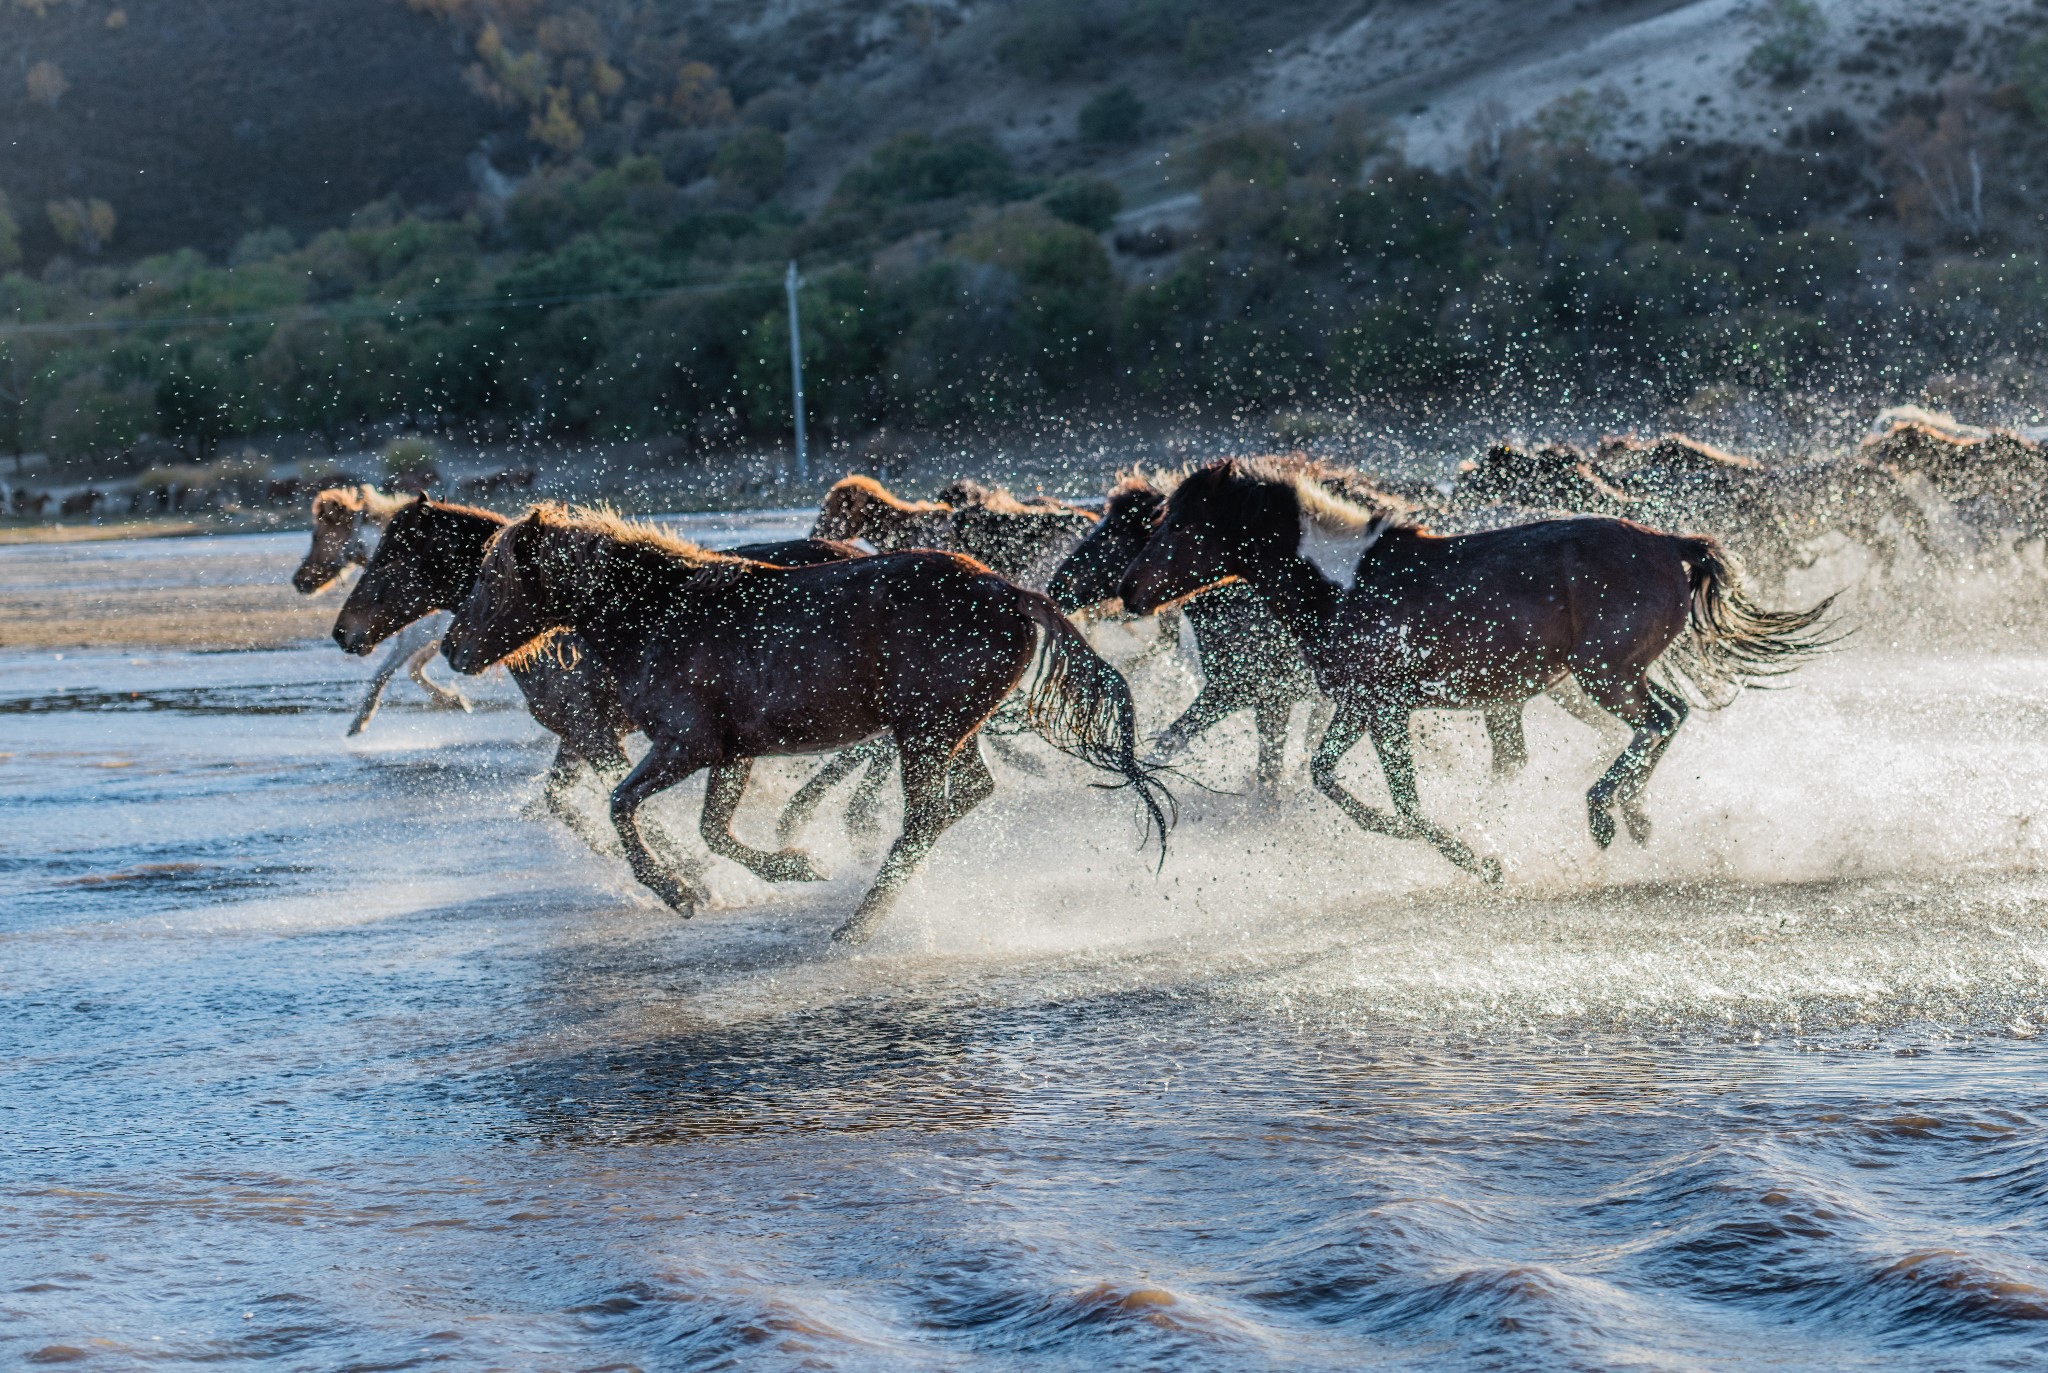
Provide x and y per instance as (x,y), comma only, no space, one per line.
(753,161)
(915,167)
(1791,31)
(2030,74)
(1053,39)
(1089,202)
(1115,116)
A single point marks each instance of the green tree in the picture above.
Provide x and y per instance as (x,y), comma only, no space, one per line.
(1089,202)
(753,161)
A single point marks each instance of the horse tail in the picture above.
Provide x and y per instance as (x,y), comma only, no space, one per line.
(1729,641)
(1082,706)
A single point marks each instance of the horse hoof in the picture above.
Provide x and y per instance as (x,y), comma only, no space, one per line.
(790,865)
(1638,825)
(854,931)
(1489,871)
(1602,824)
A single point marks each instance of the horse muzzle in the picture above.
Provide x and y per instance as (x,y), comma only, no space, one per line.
(353,641)
(463,655)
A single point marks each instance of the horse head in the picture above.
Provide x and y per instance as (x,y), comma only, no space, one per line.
(399,584)
(337,540)
(1219,525)
(509,606)
(1090,574)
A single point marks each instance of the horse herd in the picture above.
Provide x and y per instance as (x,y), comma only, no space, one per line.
(901,634)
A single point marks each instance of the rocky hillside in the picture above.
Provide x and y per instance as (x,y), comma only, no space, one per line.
(197,121)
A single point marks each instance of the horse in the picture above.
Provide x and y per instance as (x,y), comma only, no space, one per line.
(860,509)
(723,659)
(344,521)
(1249,661)
(427,561)
(1394,619)
(1022,540)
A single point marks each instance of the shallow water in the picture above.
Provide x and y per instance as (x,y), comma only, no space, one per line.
(323,1053)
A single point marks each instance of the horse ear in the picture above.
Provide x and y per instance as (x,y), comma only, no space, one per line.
(419,498)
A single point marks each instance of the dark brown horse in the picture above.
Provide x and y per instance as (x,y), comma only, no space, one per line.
(723,660)
(1249,660)
(427,561)
(1395,619)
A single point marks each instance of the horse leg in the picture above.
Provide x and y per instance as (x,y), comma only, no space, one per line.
(721,798)
(1573,700)
(1015,757)
(554,794)
(372,698)
(1269,719)
(1389,729)
(1211,703)
(802,806)
(1504,731)
(663,767)
(438,696)
(929,806)
(1655,714)
(1347,727)
(862,821)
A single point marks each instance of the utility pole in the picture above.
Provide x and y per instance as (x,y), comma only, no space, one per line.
(796,372)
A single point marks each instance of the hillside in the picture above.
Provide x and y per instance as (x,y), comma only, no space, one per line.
(506,220)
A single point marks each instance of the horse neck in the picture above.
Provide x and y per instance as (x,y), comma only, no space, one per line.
(1298,596)
(457,540)
(612,611)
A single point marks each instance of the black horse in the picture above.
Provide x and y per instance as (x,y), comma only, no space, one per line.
(428,561)
(722,660)
(1394,619)
(1249,660)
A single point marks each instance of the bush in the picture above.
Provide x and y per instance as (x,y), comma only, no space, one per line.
(915,167)
(753,161)
(1791,33)
(1115,116)
(1088,202)
(2030,74)
(1053,39)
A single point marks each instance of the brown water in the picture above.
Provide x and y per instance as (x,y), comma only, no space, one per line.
(318,1053)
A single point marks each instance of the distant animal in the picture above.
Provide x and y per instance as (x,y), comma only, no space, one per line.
(346,522)
(90,501)
(32,504)
(427,561)
(723,660)
(1394,619)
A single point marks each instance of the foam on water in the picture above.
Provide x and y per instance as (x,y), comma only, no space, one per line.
(323,1053)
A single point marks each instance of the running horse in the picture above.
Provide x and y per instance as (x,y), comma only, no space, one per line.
(1022,540)
(1395,619)
(428,562)
(344,519)
(723,659)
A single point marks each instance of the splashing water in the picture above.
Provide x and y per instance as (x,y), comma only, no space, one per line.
(324,1053)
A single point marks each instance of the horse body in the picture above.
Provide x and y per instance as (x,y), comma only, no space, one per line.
(1395,619)
(1022,540)
(428,562)
(722,660)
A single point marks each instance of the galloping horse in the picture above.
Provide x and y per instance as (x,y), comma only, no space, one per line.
(1395,619)
(343,518)
(1022,541)
(1249,660)
(428,561)
(723,660)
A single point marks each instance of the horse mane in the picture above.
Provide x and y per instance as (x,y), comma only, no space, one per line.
(846,488)
(1338,500)
(638,535)
(363,500)
(1159,481)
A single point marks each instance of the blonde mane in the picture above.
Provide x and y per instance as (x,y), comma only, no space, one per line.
(364,501)
(1163,480)
(612,527)
(854,490)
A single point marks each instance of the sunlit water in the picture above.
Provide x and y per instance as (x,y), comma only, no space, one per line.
(326,1053)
